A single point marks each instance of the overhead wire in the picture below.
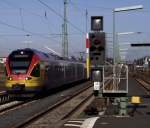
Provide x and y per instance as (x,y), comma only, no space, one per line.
(30,12)
(18,28)
(77,8)
(22,23)
(85,11)
(77,5)
(15,6)
(35,14)
(58,14)
(27,31)
(54,35)
(90,6)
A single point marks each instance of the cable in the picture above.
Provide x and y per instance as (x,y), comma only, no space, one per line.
(99,7)
(58,14)
(24,30)
(29,12)
(82,11)
(54,35)
(75,6)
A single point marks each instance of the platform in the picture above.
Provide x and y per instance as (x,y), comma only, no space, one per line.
(110,122)
(139,119)
(122,122)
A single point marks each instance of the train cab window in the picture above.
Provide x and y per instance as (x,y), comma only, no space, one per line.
(19,61)
(36,71)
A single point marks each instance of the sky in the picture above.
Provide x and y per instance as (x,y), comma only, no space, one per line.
(38,23)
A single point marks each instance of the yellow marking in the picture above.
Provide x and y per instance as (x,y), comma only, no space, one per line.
(135,100)
(88,67)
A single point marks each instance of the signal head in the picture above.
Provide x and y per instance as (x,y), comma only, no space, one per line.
(97,47)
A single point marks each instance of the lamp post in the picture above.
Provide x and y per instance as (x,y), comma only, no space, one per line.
(136,7)
(117,73)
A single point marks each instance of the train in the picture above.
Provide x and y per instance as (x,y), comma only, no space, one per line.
(30,71)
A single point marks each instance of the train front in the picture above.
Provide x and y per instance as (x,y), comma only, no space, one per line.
(23,72)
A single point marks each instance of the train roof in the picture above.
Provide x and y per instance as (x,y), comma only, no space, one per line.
(43,55)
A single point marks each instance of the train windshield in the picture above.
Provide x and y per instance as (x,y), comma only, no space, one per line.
(19,61)
(19,71)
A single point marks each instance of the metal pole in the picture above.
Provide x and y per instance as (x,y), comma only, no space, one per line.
(117,49)
(65,30)
(114,55)
(63,53)
(114,46)
(86,19)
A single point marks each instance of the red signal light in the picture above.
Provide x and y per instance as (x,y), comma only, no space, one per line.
(97,42)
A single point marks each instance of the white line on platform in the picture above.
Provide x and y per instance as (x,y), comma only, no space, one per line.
(89,123)
(101,113)
(72,125)
(75,121)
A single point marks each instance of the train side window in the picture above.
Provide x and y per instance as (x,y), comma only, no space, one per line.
(36,71)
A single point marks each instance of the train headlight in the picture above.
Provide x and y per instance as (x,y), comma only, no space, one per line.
(9,78)
(28,78)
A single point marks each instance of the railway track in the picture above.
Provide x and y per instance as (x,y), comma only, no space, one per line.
(145,85)
(4,97)
(7,103)
(144,82)
(69,108)
(19,114)
(22,110)
(12,105)
(60,112)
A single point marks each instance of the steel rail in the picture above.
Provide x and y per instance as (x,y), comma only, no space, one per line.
(30,120)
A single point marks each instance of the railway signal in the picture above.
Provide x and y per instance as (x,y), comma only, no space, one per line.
(96,23)
(96,53)
(97,48)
